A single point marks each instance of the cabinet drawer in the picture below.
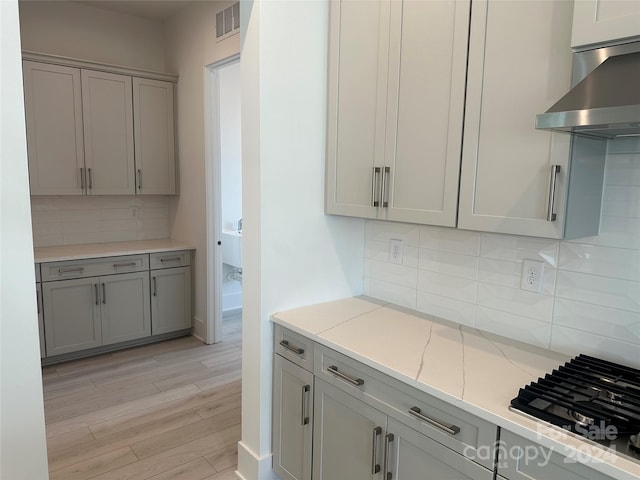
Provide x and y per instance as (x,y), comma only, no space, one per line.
(170,259)
(448,425)
(52,271)
(294,347)
(38,273)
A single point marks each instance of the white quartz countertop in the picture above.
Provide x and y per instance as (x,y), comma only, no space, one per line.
(473,370)
(97,250)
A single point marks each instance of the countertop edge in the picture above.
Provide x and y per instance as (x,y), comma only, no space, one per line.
(101,250)
(521,426)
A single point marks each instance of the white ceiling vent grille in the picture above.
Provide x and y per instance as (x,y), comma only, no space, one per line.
(228,21)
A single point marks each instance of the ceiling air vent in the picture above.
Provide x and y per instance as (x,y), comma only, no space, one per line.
(228,21)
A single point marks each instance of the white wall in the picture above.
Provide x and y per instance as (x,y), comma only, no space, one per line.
(292,253)
(82,31)
(23,450)
(191,45)
(591,298)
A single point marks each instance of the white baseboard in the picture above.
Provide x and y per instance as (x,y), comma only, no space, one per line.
(198,329)
(252,467)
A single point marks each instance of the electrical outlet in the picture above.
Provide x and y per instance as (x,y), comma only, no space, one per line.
(395,251)
(133,211)
(532,275)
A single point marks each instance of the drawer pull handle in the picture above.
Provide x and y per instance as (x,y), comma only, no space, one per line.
(119,265)
(95,287)
(374,187)
(139,179)
(171,259)
(81,178)
(305,399)
(353,381)
(90,179)
(388,439)
(386,172)
(155,287)
(296,350)
(62,271)
(375,466)
(104,295)
(451,429)
(551,211)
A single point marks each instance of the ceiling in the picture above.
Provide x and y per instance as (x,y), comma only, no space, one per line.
(158,10)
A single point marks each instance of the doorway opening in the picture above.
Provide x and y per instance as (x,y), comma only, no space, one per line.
(224,198)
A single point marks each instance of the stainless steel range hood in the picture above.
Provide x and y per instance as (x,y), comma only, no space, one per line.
(605,101)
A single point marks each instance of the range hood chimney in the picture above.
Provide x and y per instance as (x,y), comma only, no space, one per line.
(605,100)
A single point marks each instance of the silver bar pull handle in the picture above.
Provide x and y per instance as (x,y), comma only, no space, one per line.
(305,394)
(386,173)
(551,214)
(95,287)
(155,287)
(296,350)
(171,259)
(90,178)
(139,179)
(104,295)
(375,466)
(353,381)
(38,302)
(81,178)
(388,439)
(374,187)
(70,270)
(128,264)
(451,429)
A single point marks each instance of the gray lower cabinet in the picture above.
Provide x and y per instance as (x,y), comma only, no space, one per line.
(170,300)
(292,419)
(522,459)
(124,309)
(43,351)
(410,454)
(348,436)
(71,315)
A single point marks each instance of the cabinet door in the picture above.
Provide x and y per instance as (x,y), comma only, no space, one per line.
(519,65)
(154,136)
(348,436)
(292,420)
(427,69)
(358,63)
(170,300)
(108,133)
(40,320)
(125,307)
(596,21)
(71,315)
(53,111)
(411,454)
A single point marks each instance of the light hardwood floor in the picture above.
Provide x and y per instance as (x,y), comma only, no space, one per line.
(167,411)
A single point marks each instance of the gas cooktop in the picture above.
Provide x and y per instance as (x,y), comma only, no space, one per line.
(593,398)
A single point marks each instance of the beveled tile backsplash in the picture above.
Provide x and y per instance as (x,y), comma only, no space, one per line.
(590,301)
(78,220)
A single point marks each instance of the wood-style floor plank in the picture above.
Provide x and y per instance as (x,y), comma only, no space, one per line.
(164,411)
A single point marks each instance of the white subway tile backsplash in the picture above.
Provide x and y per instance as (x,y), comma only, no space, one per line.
(573,342)
(516,249)
(509,325)
(449,286)
(516,301)
(605,261)
(603,291)
(509,274)
(443,307)
(76,220)
(608,322)
(450,263)
(450,240)
(590,299)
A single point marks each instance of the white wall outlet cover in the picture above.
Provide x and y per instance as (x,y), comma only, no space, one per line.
(395,251)
(532,275)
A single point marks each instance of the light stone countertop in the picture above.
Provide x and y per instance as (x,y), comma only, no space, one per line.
(473,370)
(97,250)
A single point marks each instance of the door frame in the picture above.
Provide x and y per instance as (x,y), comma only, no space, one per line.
(213,169)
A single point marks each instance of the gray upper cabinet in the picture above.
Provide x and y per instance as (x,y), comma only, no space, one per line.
(395,109)
(154,136)
(605,21)
(108,133)
(53,111)
(519,65)
(97,132)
